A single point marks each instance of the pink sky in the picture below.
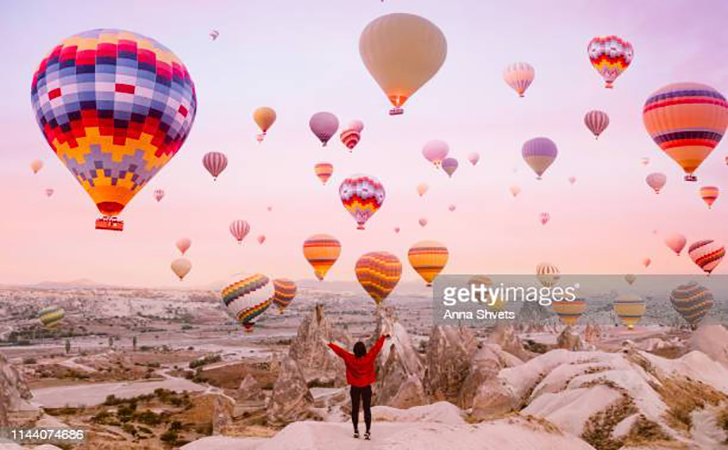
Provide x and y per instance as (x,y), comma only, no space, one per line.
(300,60)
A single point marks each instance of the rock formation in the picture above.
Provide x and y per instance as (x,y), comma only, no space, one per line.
(568,340)
(291,399)
(485,365)
(13,390)
(504,335)
(449,353)
(222,414)
(250,390)
(711,339)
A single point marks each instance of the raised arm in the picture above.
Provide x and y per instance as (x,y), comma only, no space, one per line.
(377,347)
(339,351)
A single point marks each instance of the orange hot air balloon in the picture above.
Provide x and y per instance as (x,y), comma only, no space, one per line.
(422,188)
(264,117)
(629,308)
(321,251)
(285,292)
(569,311)
(428,258)
(676,242)
(181,267)
(646,262)
(378,273)
(709,194)
(36,165)
(323,171)
(515,190)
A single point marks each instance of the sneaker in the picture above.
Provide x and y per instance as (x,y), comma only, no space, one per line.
(367,436)
(356,435)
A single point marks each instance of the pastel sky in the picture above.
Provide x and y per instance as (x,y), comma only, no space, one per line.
(303,59)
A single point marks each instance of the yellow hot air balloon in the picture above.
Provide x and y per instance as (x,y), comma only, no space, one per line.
(629,308)
(428,258)
(496,305)
(51,316)
(181,267)
(321,251)
(402,52)
(264,117)
(569,312)
(378,273)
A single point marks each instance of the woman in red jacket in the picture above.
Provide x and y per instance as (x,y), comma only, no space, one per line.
(360,375)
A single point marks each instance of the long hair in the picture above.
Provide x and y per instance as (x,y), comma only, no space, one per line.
(360,349)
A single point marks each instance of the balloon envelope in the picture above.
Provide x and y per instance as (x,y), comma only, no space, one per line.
(181,267)
(519,76)
(629,308)
(378,273)
(630,278)
(539,153)
(422,188)
(323,171)
(422,222)
(428,258)
(284,293)
(474,158)
(435,151)
(597,121)
(51,316)
(36,165)
(183,245)
(656,181)
(449,165)
(706,254)
(215,163)
(264,117)
(362,196)
(610,56)
(676,242)
(247,297)
(324,126)
(569,312)
(547,274)
(321,251)
(692,301)
(709,194)
(515,190)
(239,229)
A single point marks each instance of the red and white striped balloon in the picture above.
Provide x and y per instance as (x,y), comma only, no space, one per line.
(709,194)
(239,229)
(215,163)
(597,121)
(706,254)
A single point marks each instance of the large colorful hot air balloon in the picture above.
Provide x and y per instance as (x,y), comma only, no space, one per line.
(215,163)
(352,134)
(692,301)
(474,157)
(181,267)
(544,218)
(378,273)
(422,188)
(515,190)
(51,316)
(547,274)
(519,76)
(435,151)
(539,153)
(656,181)
(569,312)
(629,308)
(687,121)
(709,194)
(115,107)
(449,165)
(239,229)
(285,292)
(706,254)
(36,165)
(264,117)
(183,245)
(402,52)
(362,196)
(676,242)
(321,251)
(630,278)
(610,56)
(324,126)
(324,171)
(247,297)
(428,258)
(597,122)
(158,194)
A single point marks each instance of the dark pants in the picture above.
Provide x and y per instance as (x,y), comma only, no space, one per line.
(365,395)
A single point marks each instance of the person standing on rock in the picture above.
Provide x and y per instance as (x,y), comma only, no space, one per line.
(360,376)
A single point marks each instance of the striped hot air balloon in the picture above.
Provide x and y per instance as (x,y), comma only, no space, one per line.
(215,163)
(321,251)
(378,273)
(709,194)
(656,181)
(285,292)
(706,254)
(51,316)
(350,137)
(362,196)
(610,56)
(539,153)
(239,229)
(247,297)
(569,312)
(547,274)
(449,165)
(629,308)
(428,258)
(687,121)
(323,171)
(692,301)
(597,121)
(519,76)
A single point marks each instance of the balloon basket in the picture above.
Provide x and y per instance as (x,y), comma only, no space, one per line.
(691,178)
(396,112)
(109,223)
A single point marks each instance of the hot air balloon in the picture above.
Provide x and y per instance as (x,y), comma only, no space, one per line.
(676,242)
(356,125)
(572,180)
(402,52)
(215,163)
(692,301)
(709,194)
(519,76)
(362,196)
(656,181)
(352,134)
(630,278)
(396,229)
(183,245)
(264,117)
(36,165)
(49,192)
(324,126)
(378,273)
(451,208)
(435,151)
(610,56)
(323,171)
(596,121)
(449,165)
(646,262)
(269,208)
(645,161)
(515,190)
(547,274)
(726,160)
(247,297)
(239,229)
(539,153)
(92,96)
(261,239)
(569,312)
(181,267)
(484,282)
(687,121)
(158,194)
(321,251)
(214,34)
(51,316)
(428,258)
(629,308)
(422,222)
(706,254)
(474,157)
(284,293)
(544,217)
(422,188)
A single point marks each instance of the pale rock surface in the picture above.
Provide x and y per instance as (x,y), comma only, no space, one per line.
(485,365)
(291,399)
(506,337)
(14,393)
(250,390)
(711,339)
(449,352)
(569,340)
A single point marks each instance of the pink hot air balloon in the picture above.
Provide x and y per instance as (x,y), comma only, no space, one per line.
(544,217)
(239,229)
(596,121)
(396,229)
(449,165)
(435,151)
(158,194)
(706,254)
(215,163)
(474,158)
(572,180)
(269,208)
(49,192)
(261,239)
(423,222)
(519,76)
(646,262)
(656,181)
(452,208)
(539,153)
(324,126)
(709,194)
(183,245)
(357,125)
(676,242)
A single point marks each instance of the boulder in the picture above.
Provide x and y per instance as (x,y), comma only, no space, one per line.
(449,352)
(291,399)
(568,340)
(222,414)
(250,390)
(13,391)
(485,365)
(504,335)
